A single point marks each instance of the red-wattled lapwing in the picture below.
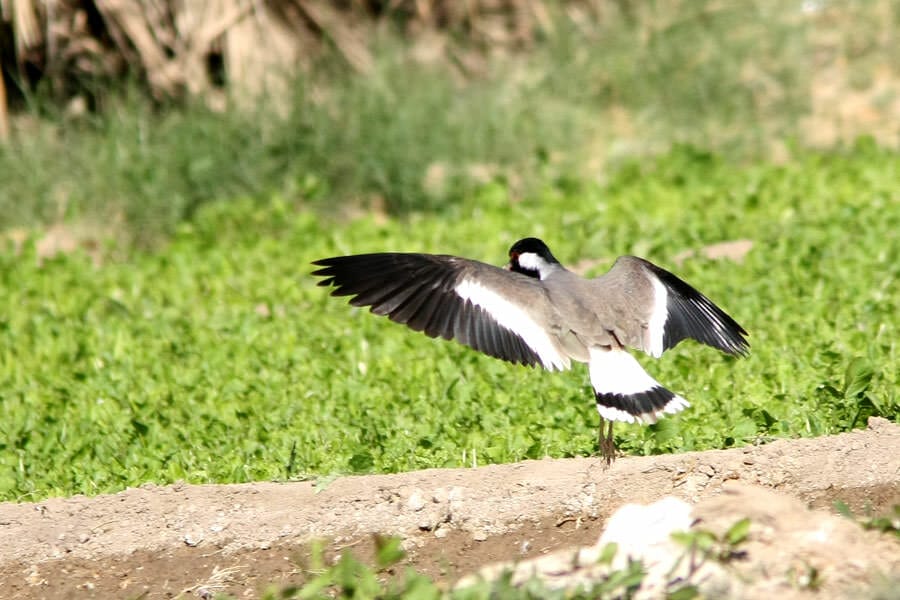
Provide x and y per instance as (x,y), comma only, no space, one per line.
(535,311)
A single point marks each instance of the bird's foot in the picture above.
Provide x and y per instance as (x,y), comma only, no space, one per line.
(608,450)
(606,444)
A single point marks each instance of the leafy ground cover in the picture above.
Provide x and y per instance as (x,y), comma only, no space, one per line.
(216,358)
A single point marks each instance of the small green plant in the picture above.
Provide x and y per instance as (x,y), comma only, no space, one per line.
(350,579)
(701,547)
(854,392)
(622,583)
(618,584)
(887,523)
(805,576)
(703,544)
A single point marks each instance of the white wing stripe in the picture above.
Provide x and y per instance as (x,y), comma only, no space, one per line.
(512,317)
(656,325)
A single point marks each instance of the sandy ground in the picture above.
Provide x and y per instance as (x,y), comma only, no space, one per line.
(166,541)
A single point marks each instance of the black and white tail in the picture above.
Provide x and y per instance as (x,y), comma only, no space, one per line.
(625,392)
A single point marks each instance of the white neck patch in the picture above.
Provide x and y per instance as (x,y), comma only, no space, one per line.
(532,262)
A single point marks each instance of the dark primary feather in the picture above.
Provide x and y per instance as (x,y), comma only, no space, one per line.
(693,315)
(418,291)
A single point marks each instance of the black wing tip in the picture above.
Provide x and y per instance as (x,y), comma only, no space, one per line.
(331,261)
(327,268)
(742,351)
(693,315)
(416,290)
(719,331)
(352,259)
(339,269)
(733,337)
(329,277)
(730,337)
(740,347)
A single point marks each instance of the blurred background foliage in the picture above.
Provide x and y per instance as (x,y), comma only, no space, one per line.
(121,117)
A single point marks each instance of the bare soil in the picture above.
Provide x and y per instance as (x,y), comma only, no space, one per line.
(166,541)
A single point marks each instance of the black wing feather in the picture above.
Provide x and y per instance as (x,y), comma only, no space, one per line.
(418,290)
(693,315)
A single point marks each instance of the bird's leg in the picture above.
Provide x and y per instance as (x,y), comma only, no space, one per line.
(606,443)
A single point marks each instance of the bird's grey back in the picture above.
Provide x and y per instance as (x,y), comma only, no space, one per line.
(610,310)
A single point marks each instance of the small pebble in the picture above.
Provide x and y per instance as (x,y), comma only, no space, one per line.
(416,501)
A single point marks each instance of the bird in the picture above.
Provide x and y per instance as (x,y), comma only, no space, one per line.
(536,312)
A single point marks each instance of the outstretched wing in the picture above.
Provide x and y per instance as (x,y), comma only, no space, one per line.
(681,312)
(503,314)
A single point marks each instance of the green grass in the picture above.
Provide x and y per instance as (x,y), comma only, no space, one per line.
(217,359)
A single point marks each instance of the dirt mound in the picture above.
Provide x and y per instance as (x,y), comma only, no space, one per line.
(789,551)
(161,541)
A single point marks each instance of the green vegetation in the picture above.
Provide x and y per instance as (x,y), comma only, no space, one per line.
(204,351)
(887,523)
(703,546)
(349,578)
(734,78)
(217,359)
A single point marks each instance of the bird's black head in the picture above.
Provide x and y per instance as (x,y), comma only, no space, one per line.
(532,257)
